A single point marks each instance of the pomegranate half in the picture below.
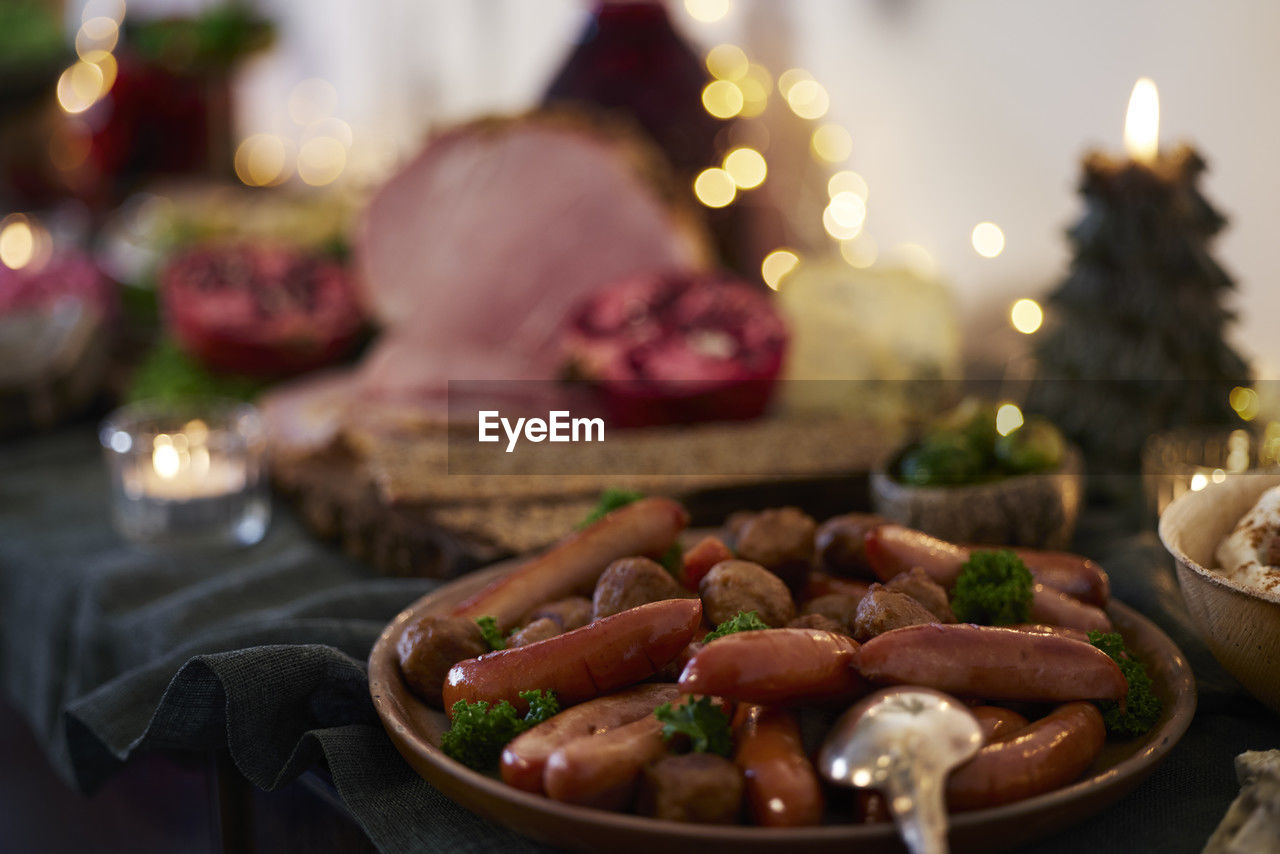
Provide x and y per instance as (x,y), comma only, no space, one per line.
(264,311)
(680,347)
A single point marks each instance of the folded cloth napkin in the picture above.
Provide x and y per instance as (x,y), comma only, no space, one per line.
(109,650)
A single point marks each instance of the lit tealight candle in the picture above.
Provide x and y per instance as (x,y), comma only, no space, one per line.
(185,478)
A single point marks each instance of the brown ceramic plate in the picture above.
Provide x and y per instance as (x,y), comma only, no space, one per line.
(415,729)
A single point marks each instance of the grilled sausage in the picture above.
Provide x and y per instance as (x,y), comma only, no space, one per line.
(775,667)
(645,527)
(596,659)
(782,788)
(1041,757)
(992,663)
(525,757)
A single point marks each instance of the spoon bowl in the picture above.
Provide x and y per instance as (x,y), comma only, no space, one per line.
(904,742)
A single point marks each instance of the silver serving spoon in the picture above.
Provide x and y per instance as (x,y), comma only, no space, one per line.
(904,741)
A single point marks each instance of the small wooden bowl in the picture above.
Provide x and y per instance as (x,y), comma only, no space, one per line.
(1032,510)
(1240,625)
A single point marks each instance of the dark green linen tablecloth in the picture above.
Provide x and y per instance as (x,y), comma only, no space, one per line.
(109,650)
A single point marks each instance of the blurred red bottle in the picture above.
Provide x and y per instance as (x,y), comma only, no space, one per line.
(629,60)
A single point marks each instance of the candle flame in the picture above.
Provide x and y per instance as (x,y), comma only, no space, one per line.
(1142,122)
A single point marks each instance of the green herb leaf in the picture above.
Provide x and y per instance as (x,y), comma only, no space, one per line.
(705,723)
(994,589)
(1141,707)
(478,733)
(489,631)
(610,500)
(743,621)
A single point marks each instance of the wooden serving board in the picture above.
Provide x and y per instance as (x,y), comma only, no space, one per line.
(387,496)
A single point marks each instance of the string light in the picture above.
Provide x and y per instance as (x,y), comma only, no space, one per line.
(17,242)
(727,62)
(847,182)
(79,87)
(261,160)
(1245,402)
(707,11)
(1026,315)
(1008,419)
(97,35)
(777,265)
(987,239)
(860,252)
(916,258)
(722,99)
(831,143)
(1198,481)
(715,188)
(746,167)
(844,215)
(311,101)
(789,78)
(808,99)
(321,160)
(755,86)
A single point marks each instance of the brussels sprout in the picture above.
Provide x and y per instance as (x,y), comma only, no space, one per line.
(1036,446)
(941,459)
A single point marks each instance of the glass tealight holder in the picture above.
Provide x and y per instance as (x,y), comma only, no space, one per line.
(187,474)
(1189,459)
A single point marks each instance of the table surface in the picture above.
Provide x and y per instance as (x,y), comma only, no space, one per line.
(110,653)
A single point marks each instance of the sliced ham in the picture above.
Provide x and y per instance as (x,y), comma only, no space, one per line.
(474,254)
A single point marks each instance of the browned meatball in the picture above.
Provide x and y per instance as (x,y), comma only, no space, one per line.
(568,614)
(630,582)
(919,586)
(841,543)
(817,621)
(733,586)
(540,629)
(429,647)
(781,541)
(840,608)
(697,787)
(883,609)
(733,525)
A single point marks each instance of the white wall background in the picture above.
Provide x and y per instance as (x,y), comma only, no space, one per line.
(960,111)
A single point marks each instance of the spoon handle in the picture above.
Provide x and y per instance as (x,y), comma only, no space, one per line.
(915,800)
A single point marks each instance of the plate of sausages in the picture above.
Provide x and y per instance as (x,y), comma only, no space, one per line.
(639,686)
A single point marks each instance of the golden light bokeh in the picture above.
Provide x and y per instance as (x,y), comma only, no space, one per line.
(777,265)
(916,259)
(321,160)
(727,62)
(789,78)
(844,215)
(831,143)
(715,188)
(1008,418)
(97,35)
(262,160)
(112,9)
(847,182)
(746,167)
(987,239)
(17,242)
(311,101)
(707,11)
(808,99)
(722,99)
(80,86)
(1026,315)
(756,85)
(860,252)
(1245,402)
